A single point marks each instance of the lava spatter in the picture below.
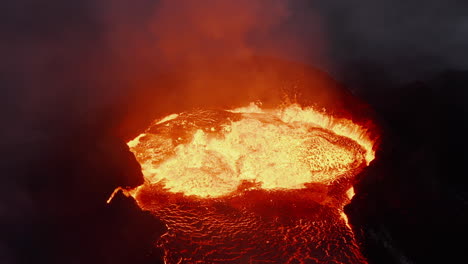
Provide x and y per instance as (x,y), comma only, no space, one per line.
(252,185)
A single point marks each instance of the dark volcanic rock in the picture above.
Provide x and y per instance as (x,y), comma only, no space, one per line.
(57,211)
(410,204)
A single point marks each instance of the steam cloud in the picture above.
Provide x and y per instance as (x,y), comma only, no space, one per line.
(107,49)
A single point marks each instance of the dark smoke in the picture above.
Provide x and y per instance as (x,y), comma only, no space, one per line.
(401,41)
(78,78)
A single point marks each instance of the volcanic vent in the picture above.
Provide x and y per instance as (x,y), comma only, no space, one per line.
(252,185)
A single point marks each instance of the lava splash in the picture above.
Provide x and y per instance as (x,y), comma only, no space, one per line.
(252,185)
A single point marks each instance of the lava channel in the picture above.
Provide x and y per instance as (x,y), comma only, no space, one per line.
(252,185)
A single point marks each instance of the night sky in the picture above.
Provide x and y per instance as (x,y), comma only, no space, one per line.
(77,79)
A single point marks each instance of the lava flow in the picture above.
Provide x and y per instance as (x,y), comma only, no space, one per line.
(252,185)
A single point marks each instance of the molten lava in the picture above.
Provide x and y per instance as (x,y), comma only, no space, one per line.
(252,185)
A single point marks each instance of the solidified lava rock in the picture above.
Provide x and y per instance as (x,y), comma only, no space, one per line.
(411,202)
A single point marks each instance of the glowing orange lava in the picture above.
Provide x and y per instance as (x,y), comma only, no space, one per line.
(252,185)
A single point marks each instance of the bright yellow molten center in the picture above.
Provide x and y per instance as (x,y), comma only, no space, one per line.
(211,153)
